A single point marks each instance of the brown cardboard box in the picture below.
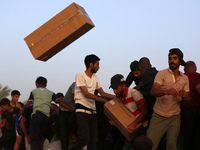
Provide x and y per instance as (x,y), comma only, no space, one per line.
(58,32)
(116,111)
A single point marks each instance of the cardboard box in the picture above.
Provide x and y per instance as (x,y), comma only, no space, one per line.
(116,111)
(59,32)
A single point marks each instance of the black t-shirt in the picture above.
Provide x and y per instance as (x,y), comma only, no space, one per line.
(130,78)
(11,117)
(27,113)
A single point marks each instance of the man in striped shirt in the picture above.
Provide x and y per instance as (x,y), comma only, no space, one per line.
(133,100)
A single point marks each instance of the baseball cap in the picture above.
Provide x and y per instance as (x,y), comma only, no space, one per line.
(178,52)
(116,80)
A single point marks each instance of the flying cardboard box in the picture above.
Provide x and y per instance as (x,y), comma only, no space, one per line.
(116,111)
(59,32)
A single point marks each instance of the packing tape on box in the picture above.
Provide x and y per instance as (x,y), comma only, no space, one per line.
(33,44)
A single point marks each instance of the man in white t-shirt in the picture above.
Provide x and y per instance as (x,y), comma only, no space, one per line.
(86,83)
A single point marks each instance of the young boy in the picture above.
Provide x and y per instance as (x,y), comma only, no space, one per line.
(7,140)
(41,98)
(15,94)
(22,126)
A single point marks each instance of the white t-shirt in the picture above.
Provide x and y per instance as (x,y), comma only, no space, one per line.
(91,84)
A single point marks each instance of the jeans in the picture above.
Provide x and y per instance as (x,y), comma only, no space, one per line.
(7,140)
(190,128)
(65,126)
(39,127)
(87,131)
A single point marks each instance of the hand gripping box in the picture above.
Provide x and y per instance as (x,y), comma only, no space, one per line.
(116,111)
(59,32)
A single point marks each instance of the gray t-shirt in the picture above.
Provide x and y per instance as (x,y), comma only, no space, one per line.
(69,98)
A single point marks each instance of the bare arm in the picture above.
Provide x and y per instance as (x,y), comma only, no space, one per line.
(104,94)
(185,96)
(22,125)
(155,91)
(197,88)
(139,119)
(3,123)
(63,104)
(92,96)
(54,108)
(27,104)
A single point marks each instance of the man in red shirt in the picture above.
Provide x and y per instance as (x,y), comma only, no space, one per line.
(190,119)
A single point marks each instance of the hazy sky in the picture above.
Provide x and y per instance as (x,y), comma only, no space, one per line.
(124,31)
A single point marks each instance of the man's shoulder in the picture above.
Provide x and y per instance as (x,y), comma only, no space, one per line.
(4,113)
(192,74)
(16,109)
(42,90)
(80,74)
(164,70)
(131,90)
(183,75)
(151,71)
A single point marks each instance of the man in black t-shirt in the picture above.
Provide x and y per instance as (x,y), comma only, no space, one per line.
(134,75)
(7,140)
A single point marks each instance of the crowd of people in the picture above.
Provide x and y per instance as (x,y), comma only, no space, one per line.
(166,102)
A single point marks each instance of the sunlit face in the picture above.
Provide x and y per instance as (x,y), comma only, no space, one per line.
(95,67)
(119,91)
(15,98)
(137,73)
(174,62)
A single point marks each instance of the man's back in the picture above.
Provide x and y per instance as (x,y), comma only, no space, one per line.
(42,98)
(194,79)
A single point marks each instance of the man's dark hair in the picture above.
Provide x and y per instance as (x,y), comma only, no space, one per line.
(59,95)
(91,59)
(5,101)
(190,65)
(21,104)
(144,62)
(134,65)
(15,92)
(41,81)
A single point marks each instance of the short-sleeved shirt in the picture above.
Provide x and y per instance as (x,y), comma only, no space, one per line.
(130,78)
(168,105)
(42,98)
(194,79)
(69,98)
(11,117)
(133,98)
(91,84)
(26,114)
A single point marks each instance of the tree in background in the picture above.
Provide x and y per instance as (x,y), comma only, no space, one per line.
(4,91)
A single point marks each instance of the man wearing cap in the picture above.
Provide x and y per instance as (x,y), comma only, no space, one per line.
(133,100)
(170,88)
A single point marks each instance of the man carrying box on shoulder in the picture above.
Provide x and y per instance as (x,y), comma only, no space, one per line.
(134,101)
